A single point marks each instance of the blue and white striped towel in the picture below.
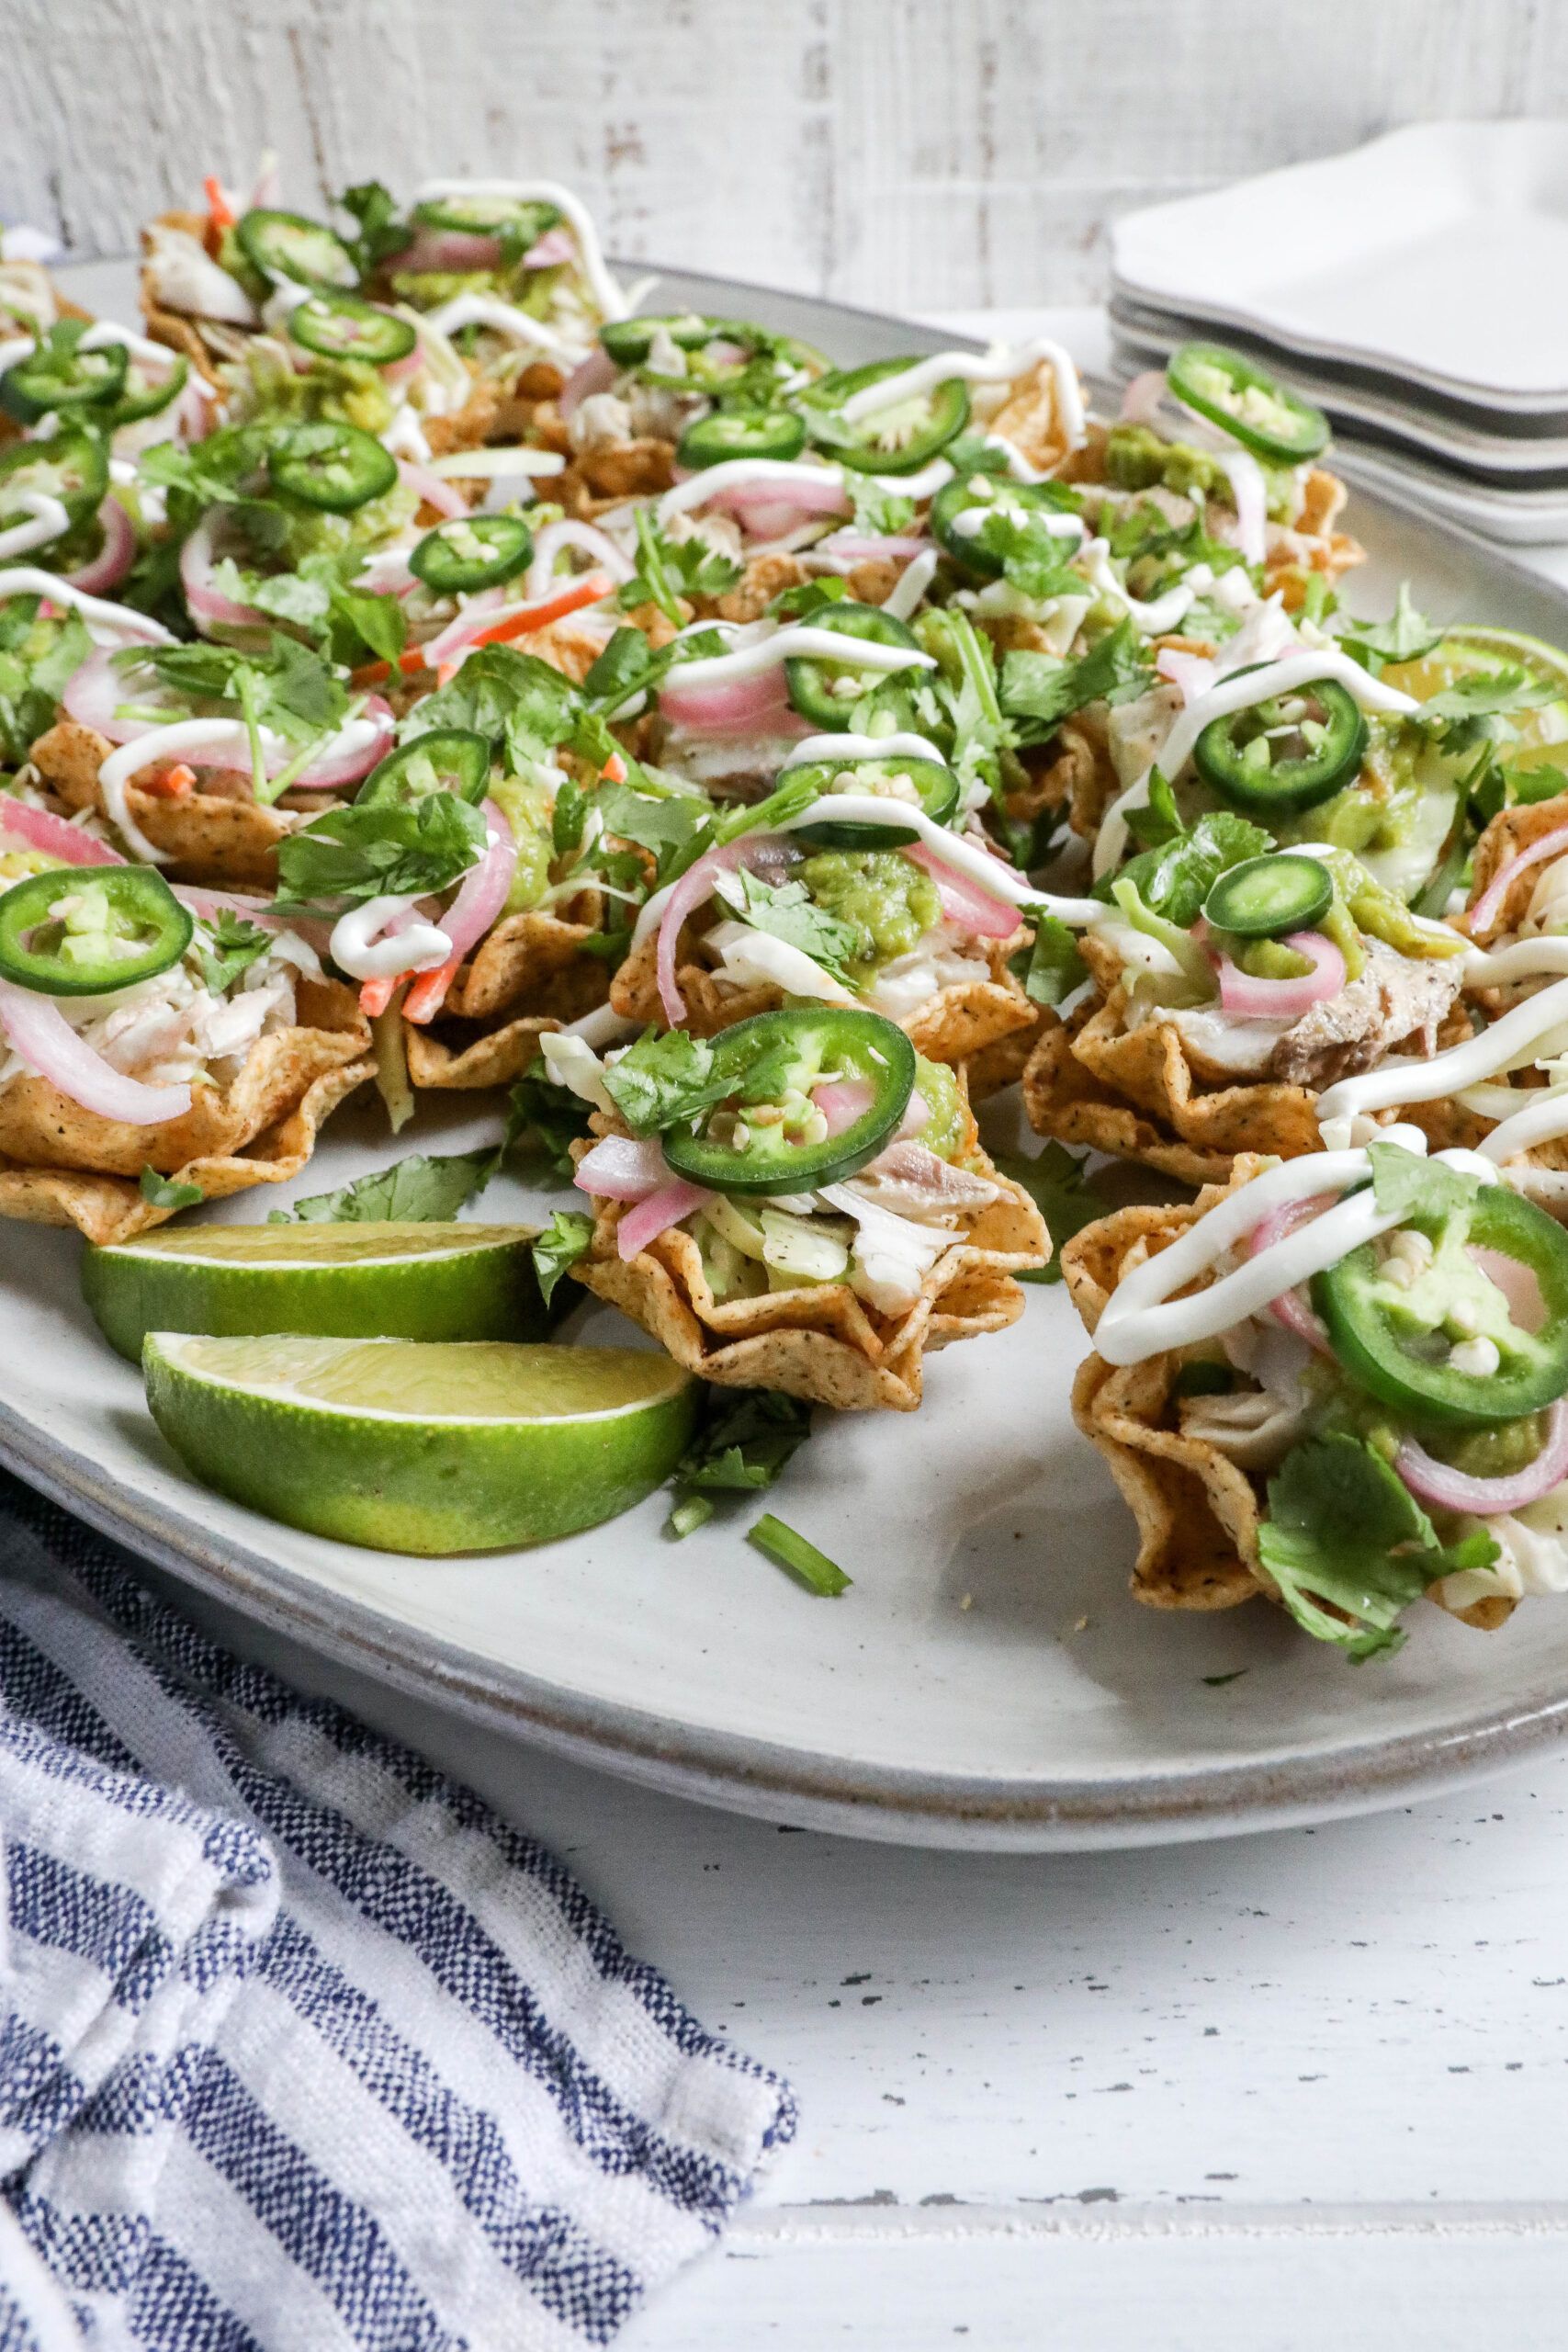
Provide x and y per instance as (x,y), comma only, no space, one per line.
(301,2049)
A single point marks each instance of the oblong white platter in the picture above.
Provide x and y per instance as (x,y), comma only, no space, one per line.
(988,1681)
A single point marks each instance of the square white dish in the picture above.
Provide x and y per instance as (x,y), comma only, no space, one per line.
(1435,252)
(1445,434)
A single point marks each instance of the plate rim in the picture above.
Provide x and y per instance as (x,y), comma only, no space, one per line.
(792,1783)
(739,1773)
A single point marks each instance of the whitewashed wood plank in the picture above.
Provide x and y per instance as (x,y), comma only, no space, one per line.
(1373,2010)
(1006,2284)
(916,154)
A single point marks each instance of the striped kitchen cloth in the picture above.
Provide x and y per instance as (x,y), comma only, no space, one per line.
(301,2048)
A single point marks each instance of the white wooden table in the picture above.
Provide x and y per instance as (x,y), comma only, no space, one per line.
(1273,2094)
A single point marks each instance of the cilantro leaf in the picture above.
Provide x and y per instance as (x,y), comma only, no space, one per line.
(1056,1182)
(629,665)
(1174,881)
(236,945)
(1158,823)
(164,1193)
(378,622)
(286,686)
(564,1240)
(881,514)
(747,1437)
(514,698)
(381,233)
(1486,695)
(1034,559)
(546,1118)
(663,822)
(58,665)
(786,911)
(1051,967)
(809,596)
(1405,638)
(419,1190)
(1343,1529)
(361,852)
(664,1077)
(1038,693)
(1407,1186)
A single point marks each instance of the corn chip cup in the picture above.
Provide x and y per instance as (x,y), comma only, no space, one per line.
(62,1165)
(1198,1512)
(820,1340)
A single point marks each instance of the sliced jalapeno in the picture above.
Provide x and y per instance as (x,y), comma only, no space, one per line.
(472,551)
(149,389)
(629,341)
(448,759)
(333,466)
(71,933)
(814,683)
(1398,1341)
(288,242)
(1277,757)
(894,440)
(59,375)
(1251,405)
(776,1059)
(741,432)
(521,220)
(1267,898)
(935,787)
(71,465)
(962,508)
(340,326)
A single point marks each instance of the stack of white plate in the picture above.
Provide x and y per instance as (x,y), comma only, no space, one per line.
(1413,289)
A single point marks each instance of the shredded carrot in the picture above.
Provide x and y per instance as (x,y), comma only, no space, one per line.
(217,204)
(447,671)
(614,770)
(428,994)
(521,623)
(169,784)
(376,995)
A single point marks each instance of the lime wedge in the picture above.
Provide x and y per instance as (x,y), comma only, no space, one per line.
(434,1449)
(1538,738)
(345,1281)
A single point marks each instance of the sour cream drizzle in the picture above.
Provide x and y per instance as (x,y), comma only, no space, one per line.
(489,311)
(27,579)
(1504,1044)
(1140,1318)
(842,749)
(49,521)
(808,643)
(606,293)
(997,880)
(1001,365)
(1240,692)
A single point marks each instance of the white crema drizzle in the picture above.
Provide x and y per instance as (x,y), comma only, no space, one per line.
(1140,1318)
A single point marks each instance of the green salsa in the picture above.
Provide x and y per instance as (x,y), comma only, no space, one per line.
(889,900)
(526,808)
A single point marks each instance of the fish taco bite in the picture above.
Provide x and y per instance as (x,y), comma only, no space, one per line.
(1341,1381)
(800,1204)
(157,1050)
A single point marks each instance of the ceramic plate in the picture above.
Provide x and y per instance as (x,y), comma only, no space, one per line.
(988,1681)
(1447,432)
(1431,251)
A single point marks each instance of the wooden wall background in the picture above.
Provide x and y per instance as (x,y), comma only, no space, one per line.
(908,154)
